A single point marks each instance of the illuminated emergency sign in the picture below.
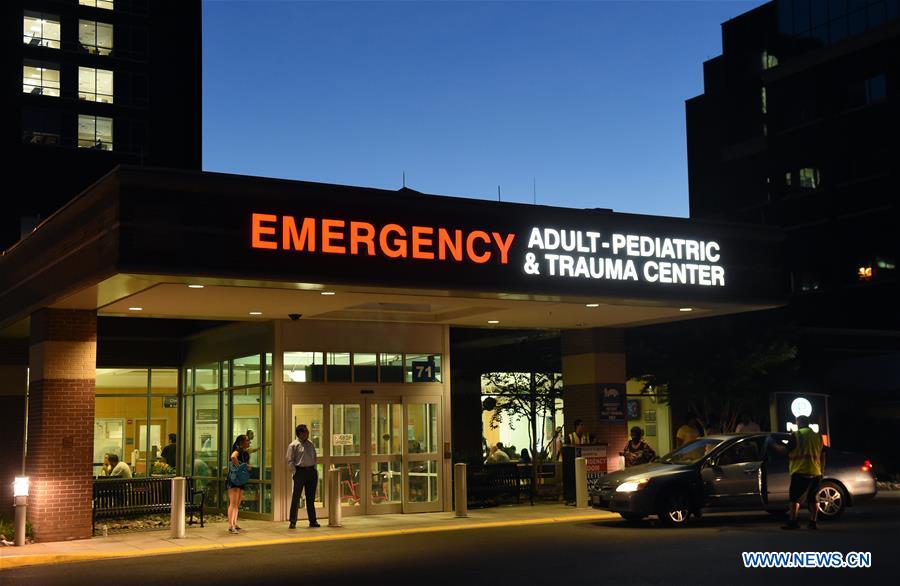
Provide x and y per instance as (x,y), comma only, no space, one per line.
(545,253)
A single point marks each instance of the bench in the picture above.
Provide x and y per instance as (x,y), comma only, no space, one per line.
(485,483)
(132,497)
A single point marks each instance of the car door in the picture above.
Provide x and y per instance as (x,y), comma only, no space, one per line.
(733,478)
(778,479)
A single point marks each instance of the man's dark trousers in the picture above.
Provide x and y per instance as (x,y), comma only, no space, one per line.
(306,479)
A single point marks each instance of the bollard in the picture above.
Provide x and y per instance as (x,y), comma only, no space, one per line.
(21,503)
(334,497)
(581,489)
(460,494)
(177,518)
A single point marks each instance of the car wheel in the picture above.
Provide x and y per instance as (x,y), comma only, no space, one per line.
(632,517)
(831,500)
(674,509)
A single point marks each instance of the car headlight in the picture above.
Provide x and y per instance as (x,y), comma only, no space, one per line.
(633,485)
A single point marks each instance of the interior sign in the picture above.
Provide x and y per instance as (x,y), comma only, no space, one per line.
(623,257)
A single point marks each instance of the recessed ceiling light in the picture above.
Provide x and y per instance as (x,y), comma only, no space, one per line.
(327,292)
(255,313)
(135,309)
(493,321)
(686,309)
(592,305)
(196,286)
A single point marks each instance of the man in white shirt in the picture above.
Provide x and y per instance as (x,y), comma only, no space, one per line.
(119,469)
(301,456)
(746,425)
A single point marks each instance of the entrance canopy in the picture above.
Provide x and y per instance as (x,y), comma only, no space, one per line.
(161,243)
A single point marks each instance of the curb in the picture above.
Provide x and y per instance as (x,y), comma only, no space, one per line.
(23,561)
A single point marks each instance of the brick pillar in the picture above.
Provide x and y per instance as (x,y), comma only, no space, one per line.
(591,359)
(62,359)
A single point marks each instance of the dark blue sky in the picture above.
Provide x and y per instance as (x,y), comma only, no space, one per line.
(587,98)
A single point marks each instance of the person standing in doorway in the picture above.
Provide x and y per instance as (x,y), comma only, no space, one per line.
(579,437)
(806,463)
(171,450)
(301,456)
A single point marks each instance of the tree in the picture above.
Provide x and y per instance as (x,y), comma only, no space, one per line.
(718,367)
(525,395)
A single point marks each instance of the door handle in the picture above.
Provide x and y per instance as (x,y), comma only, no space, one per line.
(750,471)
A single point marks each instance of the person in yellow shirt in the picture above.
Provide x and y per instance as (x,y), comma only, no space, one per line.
(579,437)
(806,463)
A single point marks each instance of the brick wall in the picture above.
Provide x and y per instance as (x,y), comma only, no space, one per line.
(591,358)
(62,358)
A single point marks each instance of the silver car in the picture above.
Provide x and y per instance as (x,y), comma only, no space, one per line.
(728,473)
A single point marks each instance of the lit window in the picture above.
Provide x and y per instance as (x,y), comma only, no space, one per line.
(768,61)
(40,79)
(864,273)
(809,178)
(95,85)
(104,4)
(789,179)
(95,132)
(95,37)
(40,30)
(765,107)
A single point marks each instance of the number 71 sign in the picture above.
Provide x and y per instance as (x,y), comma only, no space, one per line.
(423,372)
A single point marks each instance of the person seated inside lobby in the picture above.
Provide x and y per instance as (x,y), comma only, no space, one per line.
(113,468)
(497,455)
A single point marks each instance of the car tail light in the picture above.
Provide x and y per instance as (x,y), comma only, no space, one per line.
(867,466)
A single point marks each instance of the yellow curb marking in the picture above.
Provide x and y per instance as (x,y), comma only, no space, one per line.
(8,563)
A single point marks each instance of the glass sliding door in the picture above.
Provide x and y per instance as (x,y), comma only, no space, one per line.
(385,457)
(422,475)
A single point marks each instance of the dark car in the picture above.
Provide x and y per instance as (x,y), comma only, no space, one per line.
(728,473)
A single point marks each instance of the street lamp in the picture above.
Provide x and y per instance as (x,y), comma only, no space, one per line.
(20,494)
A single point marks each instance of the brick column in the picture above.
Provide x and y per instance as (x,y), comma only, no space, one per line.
(62,359)
(590,359)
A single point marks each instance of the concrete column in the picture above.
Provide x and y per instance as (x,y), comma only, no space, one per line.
(593,358)
(60,444)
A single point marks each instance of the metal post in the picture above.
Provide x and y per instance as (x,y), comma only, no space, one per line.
(334,497)
(581,491)
(177,517)
(460,493)
(21,503)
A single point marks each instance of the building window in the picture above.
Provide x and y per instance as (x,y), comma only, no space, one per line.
(40,30)
(104,4)
(809,178)
(95,132)
(95,37)
(40,127)
(765,106)
(40,79)
(768,60)
(95,85)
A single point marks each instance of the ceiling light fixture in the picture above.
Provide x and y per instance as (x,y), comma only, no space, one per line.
(196,286)
(328,293)
(255,313)
(135,309)
(592,305)
(493,321)
(686,309)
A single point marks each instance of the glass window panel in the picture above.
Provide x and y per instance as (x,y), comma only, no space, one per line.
(876,89)
(819,13)
(857,22)
(245,420)
(41,127)
(837,29)
(267,498)
(119,381)
(206,377)
(350,485)
(104,4)
(423,482)
(186,439)
(801,16)
(876,14)
(268,367)
(422,428)
(391,368)
(188,380)
(345,429)
(250,498)
(246,371)
(423,368)
(365,368)
(95,37)
(338,367)
(164,381)
(41,79)
(95,132)
(387,429)
(163,422)
(837,8)
(40,30)
(304,367)
(387,483)
(118,422)
(267,439)
(312,416)
(206,435)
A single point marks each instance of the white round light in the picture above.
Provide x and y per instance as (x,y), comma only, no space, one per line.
(801,406)
(135,309)
(493,321)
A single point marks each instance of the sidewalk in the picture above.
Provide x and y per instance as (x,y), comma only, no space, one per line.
(216,536)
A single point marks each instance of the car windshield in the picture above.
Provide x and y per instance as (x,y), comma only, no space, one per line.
(691,453)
